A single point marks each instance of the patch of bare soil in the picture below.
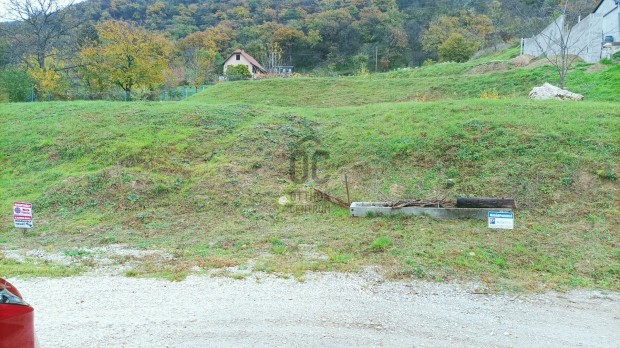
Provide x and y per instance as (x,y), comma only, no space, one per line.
(517,62)
(493,66)
(521,61)
(595,68)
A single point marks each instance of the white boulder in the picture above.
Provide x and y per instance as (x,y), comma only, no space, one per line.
(549,91)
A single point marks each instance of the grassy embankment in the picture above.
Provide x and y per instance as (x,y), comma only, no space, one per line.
(201,178)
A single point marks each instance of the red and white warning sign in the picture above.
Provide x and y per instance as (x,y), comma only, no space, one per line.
(22,215)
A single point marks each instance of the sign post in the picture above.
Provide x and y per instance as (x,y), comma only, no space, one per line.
(22,215)
(503,220)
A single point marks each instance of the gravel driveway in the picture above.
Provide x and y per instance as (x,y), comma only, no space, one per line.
(325,310)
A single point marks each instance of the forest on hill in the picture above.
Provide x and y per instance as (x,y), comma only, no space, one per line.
(98,46)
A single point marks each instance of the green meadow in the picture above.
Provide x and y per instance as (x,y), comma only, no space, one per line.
(201,179)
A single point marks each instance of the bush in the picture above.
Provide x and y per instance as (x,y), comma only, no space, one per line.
(238,72)
(15,85)
(456,48)
(428,62)
(606,61)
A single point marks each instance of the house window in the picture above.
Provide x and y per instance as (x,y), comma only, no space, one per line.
(238,57)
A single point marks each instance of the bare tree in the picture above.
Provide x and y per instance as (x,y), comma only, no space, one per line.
(40,26)
(564,40)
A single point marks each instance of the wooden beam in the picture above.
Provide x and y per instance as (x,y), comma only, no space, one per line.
(485,203)
(332,199)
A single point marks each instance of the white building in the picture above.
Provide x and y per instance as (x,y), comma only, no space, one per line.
(596,36)
(241,57)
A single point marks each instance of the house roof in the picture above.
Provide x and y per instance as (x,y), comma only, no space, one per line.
(248,57)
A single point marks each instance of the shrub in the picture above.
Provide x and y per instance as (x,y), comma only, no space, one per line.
(15,85)
(489,94)
(238,72)
(606,61)
(456,48)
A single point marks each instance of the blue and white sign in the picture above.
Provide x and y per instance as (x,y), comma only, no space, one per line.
(501,219)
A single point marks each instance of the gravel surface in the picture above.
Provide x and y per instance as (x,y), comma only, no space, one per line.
(325,310)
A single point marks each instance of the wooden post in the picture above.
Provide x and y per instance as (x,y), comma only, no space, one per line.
(501,242)
(346,183)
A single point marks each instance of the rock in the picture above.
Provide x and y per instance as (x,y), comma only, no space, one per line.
(549,91)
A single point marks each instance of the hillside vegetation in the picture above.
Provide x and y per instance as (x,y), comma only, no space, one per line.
(202,178)
(144,49)
(445,81)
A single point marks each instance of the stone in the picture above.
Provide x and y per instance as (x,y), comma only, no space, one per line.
(549,91)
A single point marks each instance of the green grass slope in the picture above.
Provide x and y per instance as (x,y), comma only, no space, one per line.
(201,179)
(447,81)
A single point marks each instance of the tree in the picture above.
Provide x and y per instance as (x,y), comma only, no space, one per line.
(474,28)
(49,80)
(5,54)
(199,58)
(563,41)
(238,72)
(456,48)
(126,56)
(286,37)
(45,24)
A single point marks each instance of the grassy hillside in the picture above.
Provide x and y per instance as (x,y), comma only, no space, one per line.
(201,179)
(446,81)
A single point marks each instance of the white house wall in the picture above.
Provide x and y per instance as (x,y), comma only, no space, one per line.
(611,22)
(242,61)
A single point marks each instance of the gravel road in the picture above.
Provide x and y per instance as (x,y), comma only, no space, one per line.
(325,310)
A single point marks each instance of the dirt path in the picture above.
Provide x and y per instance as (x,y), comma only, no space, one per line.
(325,310)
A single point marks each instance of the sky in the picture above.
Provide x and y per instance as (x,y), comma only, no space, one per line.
(4,15)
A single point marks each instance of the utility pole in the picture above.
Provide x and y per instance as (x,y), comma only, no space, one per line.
(376,54)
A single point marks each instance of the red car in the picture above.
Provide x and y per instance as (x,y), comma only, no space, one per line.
(16,318)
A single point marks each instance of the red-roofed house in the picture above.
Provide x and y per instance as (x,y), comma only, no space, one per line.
(241,57)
